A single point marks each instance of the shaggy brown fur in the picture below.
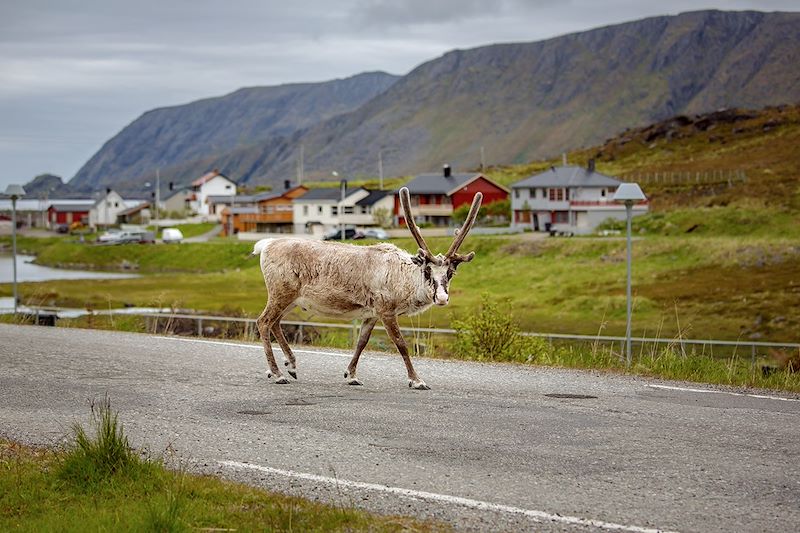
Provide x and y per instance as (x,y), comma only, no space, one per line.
(348,281)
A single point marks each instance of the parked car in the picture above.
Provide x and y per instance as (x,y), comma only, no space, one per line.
(141,237)
(349,234)
(108,236)
(376,233)
(171,235)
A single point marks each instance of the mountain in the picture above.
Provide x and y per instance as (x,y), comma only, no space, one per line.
(521,101)
(47,186)
(180,140)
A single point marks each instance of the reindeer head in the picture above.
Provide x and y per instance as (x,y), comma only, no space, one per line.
(439,269)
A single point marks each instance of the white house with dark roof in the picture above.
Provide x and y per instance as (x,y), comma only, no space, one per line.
(213,183)
(567,199)
(359,209)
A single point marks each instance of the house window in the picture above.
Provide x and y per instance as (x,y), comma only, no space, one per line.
(555,195)
(334,210)
(348,210)
(227,186)
(305,210)
(516,193)
(364,210)
(319,210)
(603,193)
(116,204)
(561,217)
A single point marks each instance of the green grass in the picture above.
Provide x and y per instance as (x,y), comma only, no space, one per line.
(98,483)
(698,286)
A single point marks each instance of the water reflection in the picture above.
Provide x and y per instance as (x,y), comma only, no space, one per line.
(27,271)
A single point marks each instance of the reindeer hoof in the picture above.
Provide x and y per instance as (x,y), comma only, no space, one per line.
(281,381)
(418,385)
(354,381)
(293,373)
(269,375)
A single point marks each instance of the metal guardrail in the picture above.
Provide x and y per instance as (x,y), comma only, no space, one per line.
(550,337)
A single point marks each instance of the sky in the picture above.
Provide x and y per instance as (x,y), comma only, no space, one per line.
(73,73)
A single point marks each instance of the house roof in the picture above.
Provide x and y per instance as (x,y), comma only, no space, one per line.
(374,197)
(133,210)
(72,207)
(186,191)
(209,176)
(569,176)
(226,199)
(242,210)
(438,183)
(331,194)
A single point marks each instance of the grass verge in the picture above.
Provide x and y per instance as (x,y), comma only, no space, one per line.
(98,483)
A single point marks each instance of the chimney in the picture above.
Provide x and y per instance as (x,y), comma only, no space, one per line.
(446,171)
(343,188)
(590,165)
(287,184)
(564,159)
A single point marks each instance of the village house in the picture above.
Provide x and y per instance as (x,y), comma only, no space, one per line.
(435,196)
(263,213)
(138,214)
(361,209)
(567,199)
(317,211)
(68,213)
(213,183)
(179,200)
(105,210)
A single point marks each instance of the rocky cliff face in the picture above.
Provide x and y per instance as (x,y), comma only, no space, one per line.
(183,140)
(523,101)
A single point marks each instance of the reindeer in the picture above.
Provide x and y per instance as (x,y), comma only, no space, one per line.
(365,282)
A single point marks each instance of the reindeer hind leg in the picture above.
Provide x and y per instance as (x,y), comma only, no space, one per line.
(266,322)
(290,363)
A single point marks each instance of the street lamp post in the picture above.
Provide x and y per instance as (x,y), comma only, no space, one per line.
(629,193)
(14,192)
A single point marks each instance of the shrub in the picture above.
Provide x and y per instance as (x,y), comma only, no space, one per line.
(492,334)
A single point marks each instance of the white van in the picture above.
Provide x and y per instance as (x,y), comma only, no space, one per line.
(169,235)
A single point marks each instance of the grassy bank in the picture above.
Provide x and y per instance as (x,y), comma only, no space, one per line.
(98,483)
(696,286)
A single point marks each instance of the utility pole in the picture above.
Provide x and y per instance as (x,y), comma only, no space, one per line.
(300,169)
(158,196)
(483,160)
(380,169)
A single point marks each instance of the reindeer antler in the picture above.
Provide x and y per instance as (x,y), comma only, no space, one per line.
(405,201)
(462,233)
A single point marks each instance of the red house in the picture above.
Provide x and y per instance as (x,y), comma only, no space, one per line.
(66,213)
(435,196)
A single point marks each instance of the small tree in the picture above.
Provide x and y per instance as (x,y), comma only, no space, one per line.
(382,217)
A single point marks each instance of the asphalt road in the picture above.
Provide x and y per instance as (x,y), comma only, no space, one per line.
(487,449)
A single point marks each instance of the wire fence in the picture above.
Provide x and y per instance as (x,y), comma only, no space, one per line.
(718,176)
(302,331)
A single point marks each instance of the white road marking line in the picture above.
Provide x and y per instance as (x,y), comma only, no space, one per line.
(465,502)
(712,391)
(253,346)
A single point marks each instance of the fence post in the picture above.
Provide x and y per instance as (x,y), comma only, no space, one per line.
(199,327)
(752,355)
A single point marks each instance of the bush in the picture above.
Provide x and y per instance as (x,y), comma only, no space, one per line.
(492,334)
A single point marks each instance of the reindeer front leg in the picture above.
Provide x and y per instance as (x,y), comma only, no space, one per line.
(363,339)
(393,329)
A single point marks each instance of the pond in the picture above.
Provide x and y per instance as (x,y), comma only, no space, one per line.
(27,271)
